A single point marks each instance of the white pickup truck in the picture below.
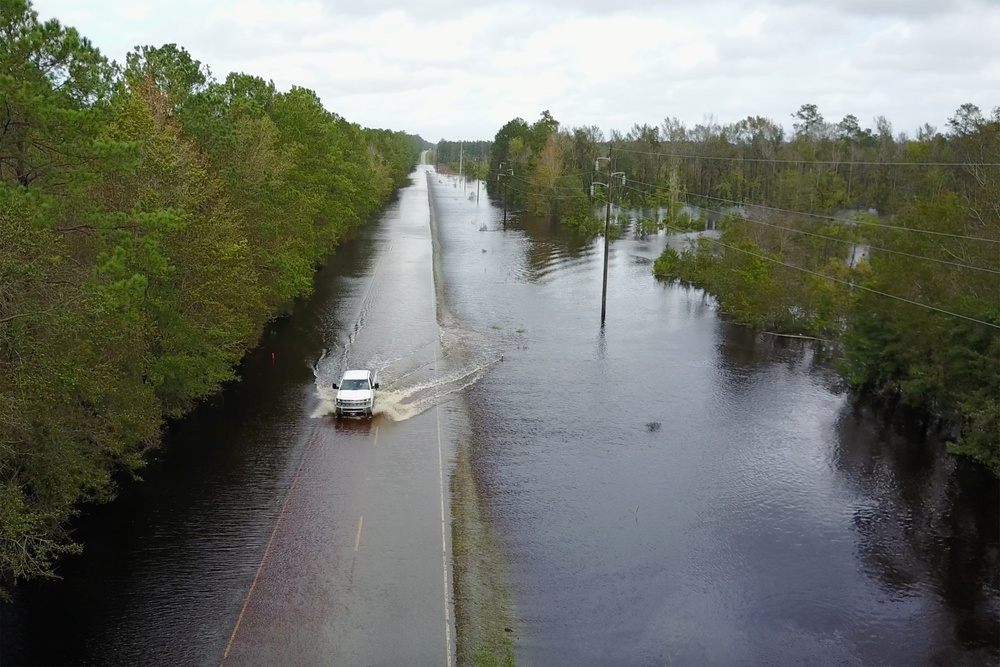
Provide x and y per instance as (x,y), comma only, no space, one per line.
(356,394)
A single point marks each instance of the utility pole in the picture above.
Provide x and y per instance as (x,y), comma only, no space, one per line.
(607,228)
(503,191)
(460,172)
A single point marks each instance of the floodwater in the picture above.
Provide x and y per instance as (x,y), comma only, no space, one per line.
(676,490)
(670,490)
(270,533)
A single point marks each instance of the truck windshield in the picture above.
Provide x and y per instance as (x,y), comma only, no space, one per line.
(352,385)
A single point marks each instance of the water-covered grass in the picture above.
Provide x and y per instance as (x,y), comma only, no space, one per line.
(483,608)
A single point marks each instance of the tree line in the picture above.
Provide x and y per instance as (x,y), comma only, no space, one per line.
(471,158)
(153,220)
(885,244)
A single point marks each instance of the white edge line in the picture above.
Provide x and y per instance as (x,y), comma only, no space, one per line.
(444,539)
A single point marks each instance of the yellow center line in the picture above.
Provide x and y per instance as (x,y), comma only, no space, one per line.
(357,540)
(376,436)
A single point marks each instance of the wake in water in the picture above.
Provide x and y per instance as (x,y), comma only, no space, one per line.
(414,382)
(402,403)
(422,377)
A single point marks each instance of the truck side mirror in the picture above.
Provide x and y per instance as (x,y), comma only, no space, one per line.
(376,385)
(334,385)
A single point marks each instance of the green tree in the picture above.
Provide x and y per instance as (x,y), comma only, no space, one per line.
(153,220)
(53,85)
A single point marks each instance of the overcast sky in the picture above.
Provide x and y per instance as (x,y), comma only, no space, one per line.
(461,69)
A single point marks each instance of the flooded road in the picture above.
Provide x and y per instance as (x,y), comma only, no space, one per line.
(672,490)
(677,490)
(271,533)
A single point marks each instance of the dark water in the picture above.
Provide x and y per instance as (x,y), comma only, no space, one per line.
(673,490)
(677,490)
(166,566)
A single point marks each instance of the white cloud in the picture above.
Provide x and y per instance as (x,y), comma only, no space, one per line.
(454,69)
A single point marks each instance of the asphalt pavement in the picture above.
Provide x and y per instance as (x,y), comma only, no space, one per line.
(357,570)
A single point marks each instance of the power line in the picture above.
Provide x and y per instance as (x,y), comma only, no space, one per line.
(848,283)
(576,173)
(558,187)
(820,216)
(832,278)
(838,163)
(845,241)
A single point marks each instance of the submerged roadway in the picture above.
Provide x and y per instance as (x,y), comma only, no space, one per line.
(732,505)
(356,571)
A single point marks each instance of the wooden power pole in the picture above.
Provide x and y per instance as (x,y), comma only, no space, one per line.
(607,229)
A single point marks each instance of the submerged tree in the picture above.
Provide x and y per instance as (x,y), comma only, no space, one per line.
(887,244)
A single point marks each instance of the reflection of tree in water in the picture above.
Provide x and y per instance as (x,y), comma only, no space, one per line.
(744,351)
(552,245)
(929,523)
